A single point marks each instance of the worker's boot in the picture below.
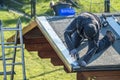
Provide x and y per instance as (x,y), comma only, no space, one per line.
(111,36)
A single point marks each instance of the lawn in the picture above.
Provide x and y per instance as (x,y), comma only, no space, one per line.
(37,68)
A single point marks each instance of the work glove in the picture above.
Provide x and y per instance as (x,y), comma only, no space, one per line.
(82,63)
(74,54)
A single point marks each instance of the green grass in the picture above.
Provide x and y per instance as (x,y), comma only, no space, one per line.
(36,68)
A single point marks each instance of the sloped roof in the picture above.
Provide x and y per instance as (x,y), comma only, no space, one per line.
(106,60)
(53,29)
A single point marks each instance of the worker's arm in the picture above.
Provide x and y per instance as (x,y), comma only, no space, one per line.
(68,34)
(72,28)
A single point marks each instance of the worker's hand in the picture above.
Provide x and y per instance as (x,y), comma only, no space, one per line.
(74,53)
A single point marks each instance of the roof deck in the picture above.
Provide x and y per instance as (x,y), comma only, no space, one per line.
(53,29)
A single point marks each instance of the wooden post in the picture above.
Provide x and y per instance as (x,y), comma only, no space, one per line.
(80,76)
(33,8)
(106,5)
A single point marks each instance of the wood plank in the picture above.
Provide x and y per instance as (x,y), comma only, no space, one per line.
(66,70)
(34,33)
(38,47)
(80,76)
(99,75)
(106,78)
(47,54)
(102,73)
(35,40)
(29,27)
(56,61)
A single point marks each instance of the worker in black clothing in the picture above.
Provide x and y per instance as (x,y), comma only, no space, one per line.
(86,26)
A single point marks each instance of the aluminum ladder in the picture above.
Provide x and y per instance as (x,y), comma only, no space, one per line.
(14,45)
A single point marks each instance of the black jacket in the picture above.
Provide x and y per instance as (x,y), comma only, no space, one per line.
(81,25)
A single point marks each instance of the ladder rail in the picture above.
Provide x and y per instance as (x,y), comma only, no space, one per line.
(3,51)
(19,34)
(23,60)
(14,58)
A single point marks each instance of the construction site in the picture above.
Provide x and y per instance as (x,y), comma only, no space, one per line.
(40,47)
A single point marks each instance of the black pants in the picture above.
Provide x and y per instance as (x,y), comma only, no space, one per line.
(75,40)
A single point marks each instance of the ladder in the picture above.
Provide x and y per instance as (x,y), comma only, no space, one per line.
(15,46)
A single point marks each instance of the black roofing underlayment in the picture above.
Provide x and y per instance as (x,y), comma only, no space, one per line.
(107,60)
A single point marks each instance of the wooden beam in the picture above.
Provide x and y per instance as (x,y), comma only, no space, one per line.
(35,40)
(29,27)
(66,70)
(34,33)
(80,76)
(56,61)
(47,54)
(98,75)
(38,47)
(106,78)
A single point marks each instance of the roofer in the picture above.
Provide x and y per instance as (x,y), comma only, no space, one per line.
(86,26)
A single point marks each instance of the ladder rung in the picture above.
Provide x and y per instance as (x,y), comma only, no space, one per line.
(10,29)
(12,46)
(8,73)
(8,43)
(7,59)
(19,63)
